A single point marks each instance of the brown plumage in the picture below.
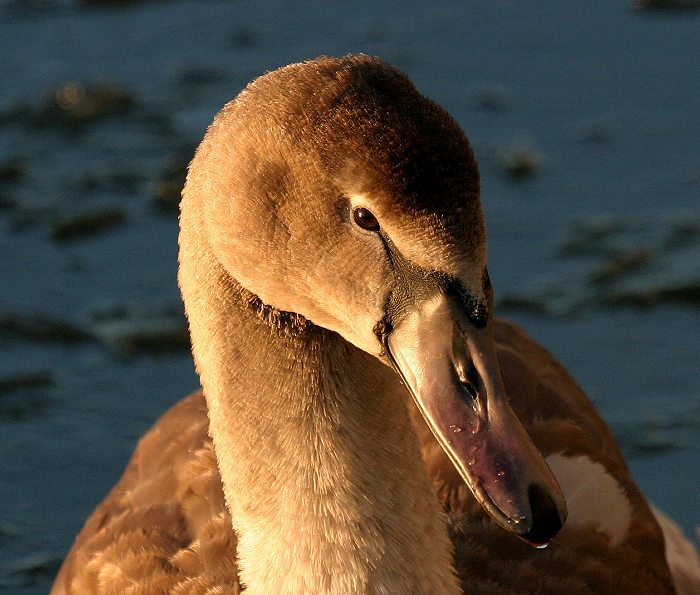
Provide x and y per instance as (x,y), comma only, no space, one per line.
(172,482)
(304,323)
(164,526)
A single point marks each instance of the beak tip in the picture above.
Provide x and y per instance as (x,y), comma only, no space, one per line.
(547,517)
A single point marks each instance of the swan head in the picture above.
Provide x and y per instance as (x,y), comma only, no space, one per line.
(334,190)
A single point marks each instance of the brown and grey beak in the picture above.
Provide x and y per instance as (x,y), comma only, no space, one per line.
(449,365)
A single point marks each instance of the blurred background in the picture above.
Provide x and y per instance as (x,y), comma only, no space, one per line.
(585,117)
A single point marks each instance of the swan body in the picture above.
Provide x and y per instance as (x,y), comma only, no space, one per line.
(366,425)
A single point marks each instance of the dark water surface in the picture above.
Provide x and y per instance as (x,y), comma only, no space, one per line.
(586,120)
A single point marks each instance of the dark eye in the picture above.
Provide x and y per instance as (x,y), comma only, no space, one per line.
(365,219)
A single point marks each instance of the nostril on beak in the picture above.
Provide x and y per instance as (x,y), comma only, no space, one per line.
(471,390)
(469,382)
(466,373)
(546,520)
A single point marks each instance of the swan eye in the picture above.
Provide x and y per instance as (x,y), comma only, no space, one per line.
(365,219)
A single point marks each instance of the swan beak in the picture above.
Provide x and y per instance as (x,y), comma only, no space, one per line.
(452,372)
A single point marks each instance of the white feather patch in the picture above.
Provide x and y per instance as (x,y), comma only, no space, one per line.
(593,496)
(681,555)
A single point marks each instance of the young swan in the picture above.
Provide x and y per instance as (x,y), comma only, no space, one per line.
(332,262)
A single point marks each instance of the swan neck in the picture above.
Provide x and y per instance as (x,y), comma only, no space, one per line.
(320,467)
